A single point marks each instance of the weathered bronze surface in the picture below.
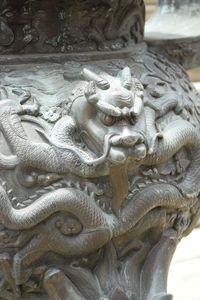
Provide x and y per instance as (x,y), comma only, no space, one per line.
(100,153)
(66,26)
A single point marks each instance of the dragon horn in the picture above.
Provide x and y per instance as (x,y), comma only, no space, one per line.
(100,82)
(88,75)
(126,78)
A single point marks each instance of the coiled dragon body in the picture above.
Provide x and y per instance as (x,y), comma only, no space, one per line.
(122,132)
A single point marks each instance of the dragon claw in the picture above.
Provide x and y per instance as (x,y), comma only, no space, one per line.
(191,195)
(31,110)
(24,94)
(188,193)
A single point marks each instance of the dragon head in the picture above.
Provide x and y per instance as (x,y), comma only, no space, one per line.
(112,110)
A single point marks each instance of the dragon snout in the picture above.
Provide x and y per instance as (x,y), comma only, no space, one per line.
(126,141)
(130,140)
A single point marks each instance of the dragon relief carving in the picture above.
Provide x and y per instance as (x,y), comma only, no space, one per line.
(26,27)
(110,133)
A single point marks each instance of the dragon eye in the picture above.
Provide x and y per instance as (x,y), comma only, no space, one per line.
(133,119)
(108,120)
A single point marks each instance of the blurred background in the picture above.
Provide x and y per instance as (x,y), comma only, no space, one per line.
(184,275)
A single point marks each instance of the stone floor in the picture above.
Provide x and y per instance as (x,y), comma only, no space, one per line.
(184,276)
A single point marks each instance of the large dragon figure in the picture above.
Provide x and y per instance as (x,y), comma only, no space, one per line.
(117,126)
(100,151)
